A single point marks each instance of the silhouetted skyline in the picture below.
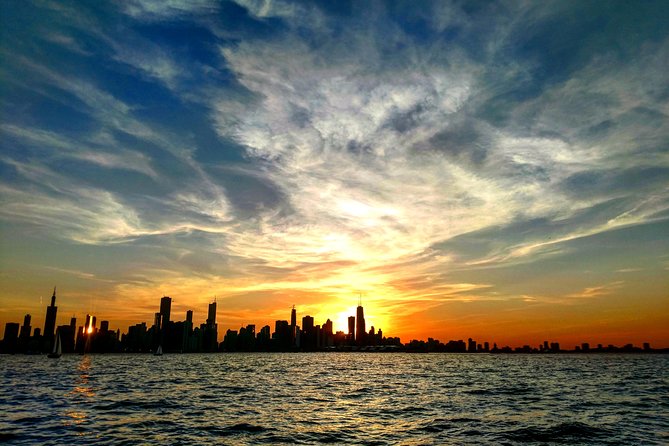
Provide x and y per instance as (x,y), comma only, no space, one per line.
(168,336)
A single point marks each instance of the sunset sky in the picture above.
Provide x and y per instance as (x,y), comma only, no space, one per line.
(489,170)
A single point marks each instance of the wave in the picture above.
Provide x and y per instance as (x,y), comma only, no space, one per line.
(559,433)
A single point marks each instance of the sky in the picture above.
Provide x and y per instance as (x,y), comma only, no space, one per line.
(494,170)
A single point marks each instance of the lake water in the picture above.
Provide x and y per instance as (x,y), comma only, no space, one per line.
(347,398)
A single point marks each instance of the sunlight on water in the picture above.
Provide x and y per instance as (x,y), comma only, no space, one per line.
(365,398)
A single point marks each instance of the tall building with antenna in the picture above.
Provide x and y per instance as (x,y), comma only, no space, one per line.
(360,333)
(210,329)
(211,315)
(294,334)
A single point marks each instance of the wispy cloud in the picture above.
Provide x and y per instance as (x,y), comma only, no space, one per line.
(597,291)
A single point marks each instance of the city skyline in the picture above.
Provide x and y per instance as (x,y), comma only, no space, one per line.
(352,333)
(486,170)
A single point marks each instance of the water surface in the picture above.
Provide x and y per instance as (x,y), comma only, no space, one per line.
(352,398)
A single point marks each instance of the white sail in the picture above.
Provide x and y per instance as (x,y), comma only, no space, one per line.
(159,350)
(57,348)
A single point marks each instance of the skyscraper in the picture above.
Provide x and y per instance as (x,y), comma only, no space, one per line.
(210,339)
(328,338)
(327,327)
(307,324)
(165,308)
(50,320)
(211,315)
(11,332)
(293,327)
(360,333)
(351,328)
(25,328)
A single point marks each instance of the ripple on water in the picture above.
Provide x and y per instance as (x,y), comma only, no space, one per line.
(334,398)
(569,432)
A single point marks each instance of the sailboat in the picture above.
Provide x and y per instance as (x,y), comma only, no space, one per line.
(57,348)
(159,351)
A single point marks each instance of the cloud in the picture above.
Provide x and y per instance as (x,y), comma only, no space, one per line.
(597,291)
(164,10)
(336,130)
(49,144)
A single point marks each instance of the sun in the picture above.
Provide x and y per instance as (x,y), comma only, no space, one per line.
(341,321)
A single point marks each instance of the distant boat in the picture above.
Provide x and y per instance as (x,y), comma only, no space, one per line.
(159,351)
(57,348)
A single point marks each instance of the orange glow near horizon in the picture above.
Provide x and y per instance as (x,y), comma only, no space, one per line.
(404,309)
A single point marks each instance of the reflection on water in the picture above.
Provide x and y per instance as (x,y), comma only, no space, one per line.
(74,417)
(366,398)
(82,379)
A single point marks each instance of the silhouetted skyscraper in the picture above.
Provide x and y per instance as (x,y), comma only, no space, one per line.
(264,332)
(327,327)
(360,332)
(165,309)
(281,335)
(156,320)
(189,316)
(11,331)
(328,337)
(294,336)
(25,328)
(307,323)
(11,339)
(351,328)
(210,339)
(211,315)
(50,320)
